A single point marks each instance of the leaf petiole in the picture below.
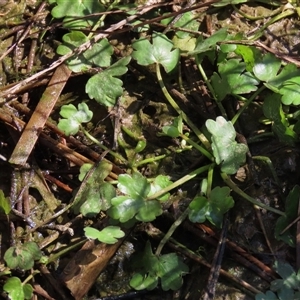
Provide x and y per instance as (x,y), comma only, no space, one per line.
(236,189)
(114,154)
(181,181)
(220,105)
(199,134)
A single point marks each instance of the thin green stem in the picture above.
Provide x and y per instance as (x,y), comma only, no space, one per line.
(198,133)
(209,180)
(174,226)
(94,140)
(181,181)
(198,147)
(212,91)
(246,104)
(57,255)
(252,18)
(30,277)
(157,158)
(236,189)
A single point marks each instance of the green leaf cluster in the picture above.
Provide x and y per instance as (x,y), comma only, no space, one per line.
(211,208)
(169,268)
(22,256)
(104,87)
(233,79)
(98,55)
(227,152)
(134,202)
(285,288)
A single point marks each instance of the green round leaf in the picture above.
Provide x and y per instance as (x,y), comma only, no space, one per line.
(67,111)
(91,233)
(14,288)
(68,126)
(159,52)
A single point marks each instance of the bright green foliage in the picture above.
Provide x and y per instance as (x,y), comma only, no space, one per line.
(70,10)
(73,117)
(135,204)
(205,45)
(104,87)
(108,235)
(169,268)
(290,91)
(159,183)
(285,288)
(94,193)
(272,109)
(232,79)
(187,21)
(227,152)
(287,73)
(267,67)
(22,256)
(250,55)
(4,204)
(286,82)
(291,209)
(175,129)
(16,290)
(211,208)
(158,52)
(140,146)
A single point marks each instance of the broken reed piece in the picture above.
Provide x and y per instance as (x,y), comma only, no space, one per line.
(39,117)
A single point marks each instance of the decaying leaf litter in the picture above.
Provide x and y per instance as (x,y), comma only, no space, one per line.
(114,125)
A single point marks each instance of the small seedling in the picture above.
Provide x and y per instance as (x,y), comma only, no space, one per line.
(211,208)
(73,117)
(134,202)
(16,290)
